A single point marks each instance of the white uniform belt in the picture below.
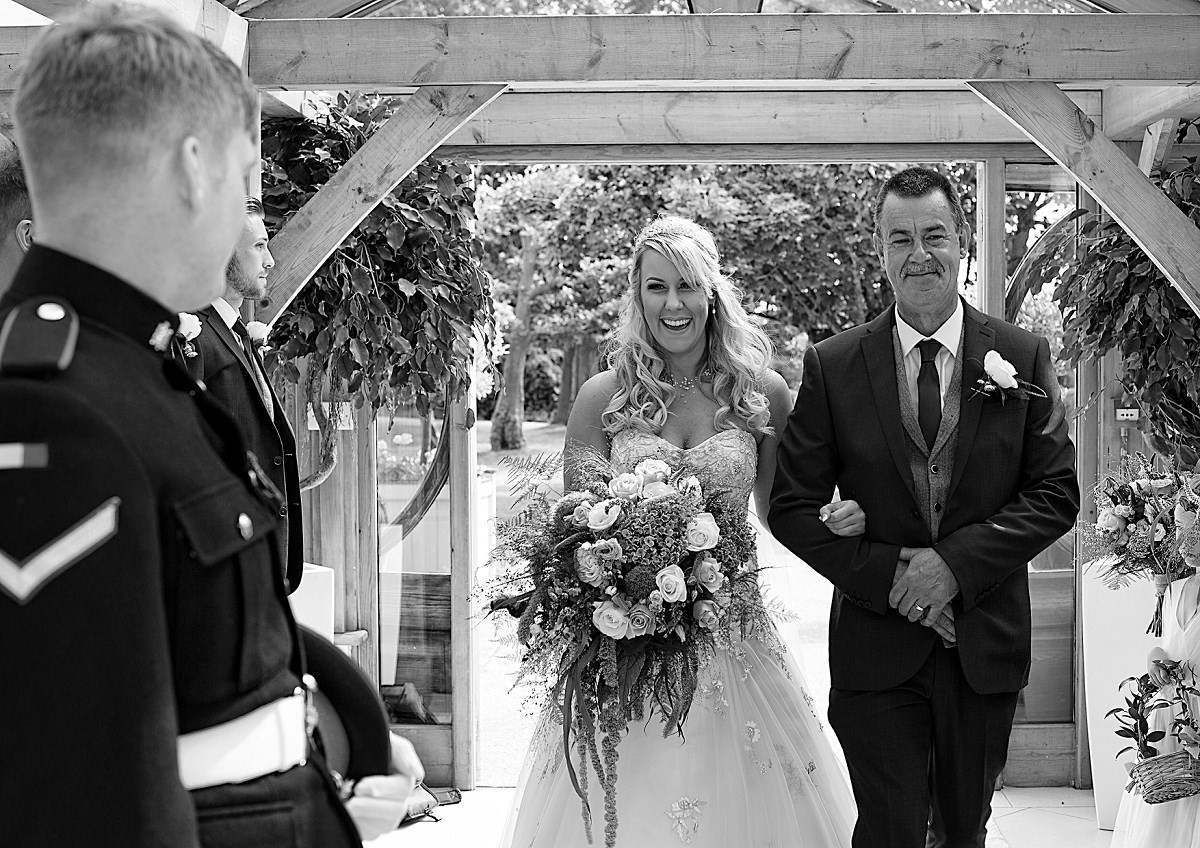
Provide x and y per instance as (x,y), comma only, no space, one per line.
(272,738)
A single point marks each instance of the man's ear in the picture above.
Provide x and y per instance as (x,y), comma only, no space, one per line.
(24,231)
(878,242)
(192,172)
(964,240)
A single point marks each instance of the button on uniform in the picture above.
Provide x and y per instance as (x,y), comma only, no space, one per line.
(245,526)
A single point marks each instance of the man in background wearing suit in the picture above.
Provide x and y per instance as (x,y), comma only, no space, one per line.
(227,361)
(16,226)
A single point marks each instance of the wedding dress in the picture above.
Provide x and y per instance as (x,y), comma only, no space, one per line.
(1171,823)
(756,767)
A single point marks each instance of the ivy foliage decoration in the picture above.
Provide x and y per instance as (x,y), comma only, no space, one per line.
(1114,298)
(391,316)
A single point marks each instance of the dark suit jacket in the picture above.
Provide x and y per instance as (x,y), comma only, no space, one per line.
(222,366)
(1013,492)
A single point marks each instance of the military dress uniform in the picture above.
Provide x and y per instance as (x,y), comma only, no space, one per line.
(149,662)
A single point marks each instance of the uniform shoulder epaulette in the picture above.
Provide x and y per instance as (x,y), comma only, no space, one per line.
(38,337)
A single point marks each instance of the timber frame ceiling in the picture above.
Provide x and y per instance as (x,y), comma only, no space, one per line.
(1020,90)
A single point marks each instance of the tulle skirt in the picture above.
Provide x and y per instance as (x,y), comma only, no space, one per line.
(757,768)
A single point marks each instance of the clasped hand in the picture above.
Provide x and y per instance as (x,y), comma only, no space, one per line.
(923,588)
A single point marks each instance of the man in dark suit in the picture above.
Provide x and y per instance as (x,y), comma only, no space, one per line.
(152,670)
(226,359)
(963,482)
(16,226)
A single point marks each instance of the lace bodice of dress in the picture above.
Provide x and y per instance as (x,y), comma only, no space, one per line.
(725,462)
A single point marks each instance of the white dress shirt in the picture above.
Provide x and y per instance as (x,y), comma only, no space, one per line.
(949,334)
(230,316)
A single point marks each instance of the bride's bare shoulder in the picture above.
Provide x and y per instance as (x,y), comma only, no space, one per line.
(599,388)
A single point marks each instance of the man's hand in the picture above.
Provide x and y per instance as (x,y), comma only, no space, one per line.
(923,588)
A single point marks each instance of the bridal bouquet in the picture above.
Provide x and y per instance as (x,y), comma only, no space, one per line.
(623,589)
(1141,525)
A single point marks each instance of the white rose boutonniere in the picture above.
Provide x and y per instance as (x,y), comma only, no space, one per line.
(258,332)
(189,328)
(1000,378)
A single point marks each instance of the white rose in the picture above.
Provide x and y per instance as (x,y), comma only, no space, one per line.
(707,614)
(257,331)
(587,565)
(603,515)
(580,516)
(1109,520)
(641,621)
(611,620)
(652,471)
(656,489)
(671,583)
(690,486)
(189,326)
(702,532)
(608,549)
(1000,370)
(628,486)
(708,573)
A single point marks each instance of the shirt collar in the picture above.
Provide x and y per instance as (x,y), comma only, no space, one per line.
(95,294)
(228,314)
(948,334)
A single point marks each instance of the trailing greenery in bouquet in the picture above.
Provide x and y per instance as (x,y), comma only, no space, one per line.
(1135,534)
(623,589)
(1161,777)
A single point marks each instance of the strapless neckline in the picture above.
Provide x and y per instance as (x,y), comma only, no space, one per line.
(701,443)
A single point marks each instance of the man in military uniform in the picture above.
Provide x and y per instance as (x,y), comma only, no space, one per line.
(226,360)
(152,674)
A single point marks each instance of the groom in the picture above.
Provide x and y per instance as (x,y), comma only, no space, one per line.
(963,483)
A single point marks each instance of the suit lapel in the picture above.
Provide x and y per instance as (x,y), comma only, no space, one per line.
(218,326)
(881,373)
(978,338)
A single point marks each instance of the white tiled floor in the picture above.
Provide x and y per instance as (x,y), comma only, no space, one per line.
(1021,818)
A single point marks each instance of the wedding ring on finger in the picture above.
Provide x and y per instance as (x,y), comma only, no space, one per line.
(920,609)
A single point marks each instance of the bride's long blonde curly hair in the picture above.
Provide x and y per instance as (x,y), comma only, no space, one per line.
(737,351)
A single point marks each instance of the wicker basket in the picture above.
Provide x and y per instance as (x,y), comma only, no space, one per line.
(1167,777)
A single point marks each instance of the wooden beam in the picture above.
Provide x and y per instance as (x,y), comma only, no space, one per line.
(1170,238)
(1170,7)
(385,52)
(1157,144)
(629,154)
(53,9)
(1026,177)
(1128,110)
(743,117)
(992,274)
(415,130)
(710,7)
(301,8)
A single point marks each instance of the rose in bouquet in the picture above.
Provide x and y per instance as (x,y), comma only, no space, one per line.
(1135,533)
(624,588)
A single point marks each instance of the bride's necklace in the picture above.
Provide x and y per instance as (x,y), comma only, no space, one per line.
(685,385)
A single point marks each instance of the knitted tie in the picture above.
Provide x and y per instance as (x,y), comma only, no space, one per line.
(260,379)
(929,392)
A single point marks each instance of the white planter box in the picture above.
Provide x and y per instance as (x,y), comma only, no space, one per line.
(1115,647)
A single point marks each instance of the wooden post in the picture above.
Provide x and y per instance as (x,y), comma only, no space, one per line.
(1087,470)
(464,546)
(989,213)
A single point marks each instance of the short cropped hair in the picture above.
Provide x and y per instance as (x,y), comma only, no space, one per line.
(254,207)
(14,194)
(117,83)
(918,182)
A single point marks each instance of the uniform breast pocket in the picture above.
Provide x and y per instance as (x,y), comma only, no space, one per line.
(231,631)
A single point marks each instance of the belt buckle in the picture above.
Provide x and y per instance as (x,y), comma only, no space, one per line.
(308,688)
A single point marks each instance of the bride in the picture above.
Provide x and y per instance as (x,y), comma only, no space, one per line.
(754,767)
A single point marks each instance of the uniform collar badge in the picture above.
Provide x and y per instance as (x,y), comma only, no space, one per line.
(161,337)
